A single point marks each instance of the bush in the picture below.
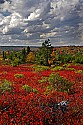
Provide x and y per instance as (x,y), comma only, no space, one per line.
(5,86)
(79,71)
(78,59)
(44,79)
(72,69)
(35,90)
(15,62)
(19,75)
(39,68)
(53,78)
(58,68)
(59,83)
(28,89)
(30,57)
(48,89)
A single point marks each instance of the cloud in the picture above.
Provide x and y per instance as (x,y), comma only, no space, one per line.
(81,1)
(32,21)
(34,15)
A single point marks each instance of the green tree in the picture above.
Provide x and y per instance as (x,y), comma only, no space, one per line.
(23,51)
(23,55)
(28,49)
(4,55)
(44,53)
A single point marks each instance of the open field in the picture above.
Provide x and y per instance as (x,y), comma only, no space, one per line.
(41,91)
(29,96)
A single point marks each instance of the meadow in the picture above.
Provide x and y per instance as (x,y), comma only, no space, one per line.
(39,92)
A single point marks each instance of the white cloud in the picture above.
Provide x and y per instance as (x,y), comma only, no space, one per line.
(45,25)
(5,30)
(12,21)
(39,19)
(48,35)
(5,6)
(16,19)
(34,15)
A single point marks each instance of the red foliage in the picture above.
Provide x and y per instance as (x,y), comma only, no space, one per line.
(19,107)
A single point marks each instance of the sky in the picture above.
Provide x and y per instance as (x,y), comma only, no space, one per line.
(31,22)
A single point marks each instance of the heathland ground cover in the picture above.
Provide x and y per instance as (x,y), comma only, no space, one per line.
(41,92)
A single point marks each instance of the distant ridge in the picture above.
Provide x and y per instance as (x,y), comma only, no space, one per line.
(16,48)
(10,48)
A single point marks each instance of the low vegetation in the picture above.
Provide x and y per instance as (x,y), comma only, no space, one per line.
(42,87)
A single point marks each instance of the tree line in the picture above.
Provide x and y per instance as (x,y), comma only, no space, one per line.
(46,55)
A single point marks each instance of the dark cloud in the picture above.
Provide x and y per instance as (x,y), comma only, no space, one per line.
(32,21)
(6,13)
(81,1)
(2,1)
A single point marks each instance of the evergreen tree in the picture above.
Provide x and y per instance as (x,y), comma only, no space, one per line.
(23,55)
(23,51)
(28,50)
(44,54)
(4,55)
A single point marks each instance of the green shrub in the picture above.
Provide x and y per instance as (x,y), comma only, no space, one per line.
(58,68)
(44,79)
(72,69)
(35,90)
(7,62)
(63,58)
(48,89)
(5,86)
(79,71)
(39,68)
(66,65)
(78,58)
(53,78)
(59,83)
(15,62)
(27,88)
(19,75)
(52,66)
